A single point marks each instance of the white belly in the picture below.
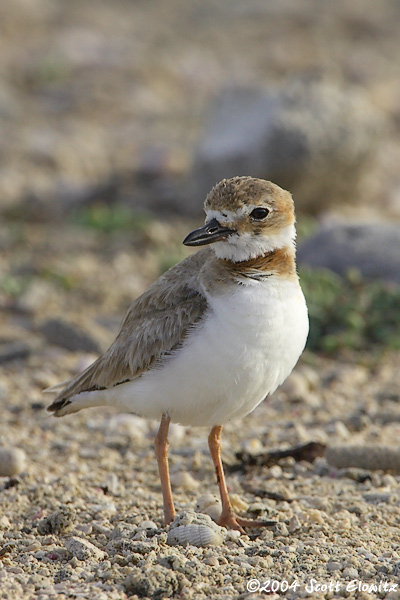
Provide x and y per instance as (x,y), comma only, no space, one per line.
(241,352)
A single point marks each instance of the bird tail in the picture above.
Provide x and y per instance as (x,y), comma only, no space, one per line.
(68,406)
(77,393)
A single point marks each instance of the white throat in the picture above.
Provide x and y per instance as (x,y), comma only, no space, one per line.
(246,246)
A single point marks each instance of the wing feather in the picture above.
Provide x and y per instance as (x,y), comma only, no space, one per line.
(155,324)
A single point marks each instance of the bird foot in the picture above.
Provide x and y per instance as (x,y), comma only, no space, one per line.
(232,521)
(169,516)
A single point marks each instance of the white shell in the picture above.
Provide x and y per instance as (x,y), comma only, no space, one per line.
(147,525)
(195,529)
(209,504)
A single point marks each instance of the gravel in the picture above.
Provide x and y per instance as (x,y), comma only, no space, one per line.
(84,516)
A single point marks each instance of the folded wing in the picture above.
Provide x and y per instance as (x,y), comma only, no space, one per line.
(155,324)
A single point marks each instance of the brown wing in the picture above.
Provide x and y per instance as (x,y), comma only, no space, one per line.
(154,325)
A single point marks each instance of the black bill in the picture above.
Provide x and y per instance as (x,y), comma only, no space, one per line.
(211,232)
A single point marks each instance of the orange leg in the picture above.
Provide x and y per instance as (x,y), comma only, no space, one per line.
(228,517)
(161,445)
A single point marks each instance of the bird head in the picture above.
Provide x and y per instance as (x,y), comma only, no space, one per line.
(246,218)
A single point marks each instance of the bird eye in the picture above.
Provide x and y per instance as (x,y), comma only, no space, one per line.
(259,213)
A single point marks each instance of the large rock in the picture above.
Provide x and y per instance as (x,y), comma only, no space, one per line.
(310,137)
(372,248)
(67,335)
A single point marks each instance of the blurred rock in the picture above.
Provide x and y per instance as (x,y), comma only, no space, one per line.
(295,386)
(12,461)
(371,248)
(135,427)
(69,336)
(184,480)
(209,504)
(310,137)
(15,350)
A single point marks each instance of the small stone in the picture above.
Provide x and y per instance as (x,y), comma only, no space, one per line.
(316,516)
(34,547)
(184,480)
(377,497)
(59,521)
(276,471)
(176,433)
(310,375)
(12,461)
(4,522)
(389,481)
(252,446)
(280,529)
(333,566)
(294,524)
(212,561)
(209,504)
(82,549)
(111,485)
(296,386)
(238,504)
(135,427)
(341,430)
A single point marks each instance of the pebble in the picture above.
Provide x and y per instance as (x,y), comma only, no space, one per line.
(135,427)
(276,472)
(212,561)
(341,430)
(333,566)
(280,529)
(111,485)
(12,461)
(238,504)
(59,521)
(296,387)
(4,522)
(316,516)
(209,504)
(377,497)
(184,480)
(294,524)
(82,549)
(252,446)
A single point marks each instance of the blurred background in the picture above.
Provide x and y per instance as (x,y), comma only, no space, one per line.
(117,117)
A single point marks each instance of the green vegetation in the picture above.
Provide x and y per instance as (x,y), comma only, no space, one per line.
(350,312)
(107,218)
(14,285)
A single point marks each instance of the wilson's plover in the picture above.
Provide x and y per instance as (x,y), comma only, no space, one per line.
(214,335)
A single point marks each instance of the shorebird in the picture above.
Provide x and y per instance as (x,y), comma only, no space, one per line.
(214,335)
